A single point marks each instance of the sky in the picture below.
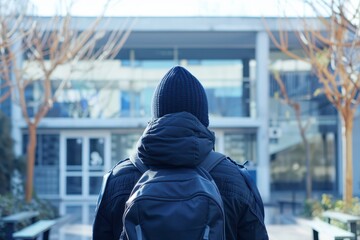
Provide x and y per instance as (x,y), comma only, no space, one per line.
(175,7)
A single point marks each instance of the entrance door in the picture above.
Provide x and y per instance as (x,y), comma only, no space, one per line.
(85,157)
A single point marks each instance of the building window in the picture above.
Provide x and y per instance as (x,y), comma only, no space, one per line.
(122,146)
(46,169)
(120,89)
(241,147)
(288,163)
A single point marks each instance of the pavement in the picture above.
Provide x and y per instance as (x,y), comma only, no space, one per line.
(288,228)
(284,226)
(289,232)
(292,229)
(275,231)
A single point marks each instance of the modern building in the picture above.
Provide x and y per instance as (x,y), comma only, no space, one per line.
(101,113)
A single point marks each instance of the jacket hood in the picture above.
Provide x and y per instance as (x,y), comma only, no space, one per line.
(176,139)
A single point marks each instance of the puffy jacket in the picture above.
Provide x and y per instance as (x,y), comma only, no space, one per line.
(179,139)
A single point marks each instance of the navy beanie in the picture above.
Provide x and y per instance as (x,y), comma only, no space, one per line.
(180,91)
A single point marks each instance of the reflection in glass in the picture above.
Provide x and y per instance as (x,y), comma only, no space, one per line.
(129,95)
(288,166)
(241,147)
(96,152)
(73,153)
(75,211)
(74,185)
(95,185)
(122,145)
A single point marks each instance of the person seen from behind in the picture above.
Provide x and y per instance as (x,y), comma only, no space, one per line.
(178,137)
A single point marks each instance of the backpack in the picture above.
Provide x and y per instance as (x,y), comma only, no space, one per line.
(175,203)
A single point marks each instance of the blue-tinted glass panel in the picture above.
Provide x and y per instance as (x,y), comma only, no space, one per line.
(131,95)
(122,146)
(47,168)
(74,185)
(125,100)
(300,87)
(48,145)
(241,147)
(46,180)
(96,153)
(288,161)
(95,185)
(74,153)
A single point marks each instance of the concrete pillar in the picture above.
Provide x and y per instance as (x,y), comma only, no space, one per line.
(262,102)
(356,156)
(16,115)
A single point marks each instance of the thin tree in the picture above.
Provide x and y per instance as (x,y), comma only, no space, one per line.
(333,52)
(43,45)
(303,126)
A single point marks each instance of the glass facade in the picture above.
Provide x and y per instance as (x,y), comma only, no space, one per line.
(127,87)
(74,165)
(123,88)
(122,145)
(125,98)
(288,166)
(241,147)
(287,151)
(47,168)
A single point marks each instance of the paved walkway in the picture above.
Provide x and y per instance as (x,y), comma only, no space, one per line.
(286,226)
(289,232)
(280,227)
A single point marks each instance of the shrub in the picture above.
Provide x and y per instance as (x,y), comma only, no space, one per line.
(10,204)
(314,208)
(6,154)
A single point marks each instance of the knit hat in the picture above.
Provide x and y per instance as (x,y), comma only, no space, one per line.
(180,91)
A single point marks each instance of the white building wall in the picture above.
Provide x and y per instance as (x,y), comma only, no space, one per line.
(262,103)
(356,156)
(16,115)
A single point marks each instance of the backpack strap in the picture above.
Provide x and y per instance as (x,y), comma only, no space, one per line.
(211,160)
(104,183)
(214,158)
(250,183)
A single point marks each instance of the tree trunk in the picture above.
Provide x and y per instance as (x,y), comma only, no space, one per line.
(303,129)
(347,158)
(31,147)
(308,169)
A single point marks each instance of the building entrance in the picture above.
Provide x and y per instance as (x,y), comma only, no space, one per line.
(84,157)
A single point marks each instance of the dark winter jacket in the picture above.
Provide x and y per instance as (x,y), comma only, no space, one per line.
(179,139)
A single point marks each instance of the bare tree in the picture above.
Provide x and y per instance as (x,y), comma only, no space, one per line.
(333,52)
(43,45)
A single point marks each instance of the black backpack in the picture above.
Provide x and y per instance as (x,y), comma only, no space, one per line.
(175,203)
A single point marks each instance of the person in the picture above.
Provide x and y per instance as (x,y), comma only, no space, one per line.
(178,136)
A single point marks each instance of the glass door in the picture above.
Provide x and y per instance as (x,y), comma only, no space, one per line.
(84,160)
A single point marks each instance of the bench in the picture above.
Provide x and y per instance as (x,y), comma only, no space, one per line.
(319,226)
(33,231)
(11,220)
(348,219)
(292,203)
